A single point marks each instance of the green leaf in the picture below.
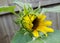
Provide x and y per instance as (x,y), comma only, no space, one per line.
(36,41)
(7,9)
(21,38)
(51,9)
(53,37)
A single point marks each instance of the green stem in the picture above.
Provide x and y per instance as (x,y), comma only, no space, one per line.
(15,14)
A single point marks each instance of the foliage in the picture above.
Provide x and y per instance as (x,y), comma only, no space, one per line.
(52,38)
(7,8)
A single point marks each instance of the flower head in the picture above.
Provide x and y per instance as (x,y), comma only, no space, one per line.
(37,24)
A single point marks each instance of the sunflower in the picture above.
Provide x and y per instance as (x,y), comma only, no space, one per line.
(37,24)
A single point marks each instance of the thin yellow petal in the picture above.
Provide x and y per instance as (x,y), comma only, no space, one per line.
(35,33)
(48,23)
(50,30)
(32,17)
(47,29)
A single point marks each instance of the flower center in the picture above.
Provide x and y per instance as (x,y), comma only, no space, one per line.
(35,23)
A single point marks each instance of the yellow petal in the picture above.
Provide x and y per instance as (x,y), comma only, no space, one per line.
(26,18)
(48,23)
(47,29)
(32,17)
(42,17)
(44,32)
(28,26)
(35,33)
(50,30)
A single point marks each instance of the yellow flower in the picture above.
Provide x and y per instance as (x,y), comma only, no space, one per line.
(37,24)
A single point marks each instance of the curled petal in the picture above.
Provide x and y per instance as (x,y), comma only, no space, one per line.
(32,17)
(28,26)
(26,18)
(35,33)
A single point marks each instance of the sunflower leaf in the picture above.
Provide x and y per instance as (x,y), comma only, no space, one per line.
(21,38)
(36,41)
(7,9)
(51,9)
(53,37)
